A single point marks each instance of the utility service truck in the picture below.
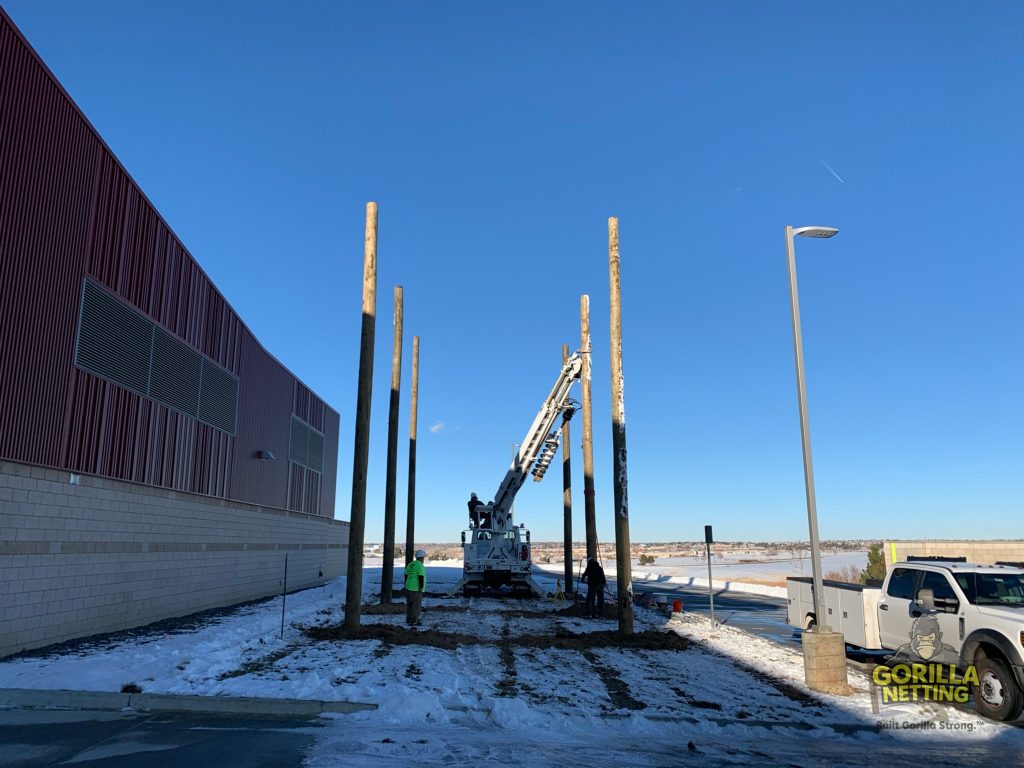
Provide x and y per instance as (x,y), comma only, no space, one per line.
(496,552)
(931,611)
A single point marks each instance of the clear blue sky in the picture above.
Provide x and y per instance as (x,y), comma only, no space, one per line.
(498,138)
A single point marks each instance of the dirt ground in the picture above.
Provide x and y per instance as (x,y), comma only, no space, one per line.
(397,609)
(653,640)
(577,610)
(393,635)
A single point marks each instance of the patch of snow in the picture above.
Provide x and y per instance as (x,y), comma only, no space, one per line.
(737,698)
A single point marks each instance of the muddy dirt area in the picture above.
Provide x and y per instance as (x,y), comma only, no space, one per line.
(650,640)
(575,610)
(397,609)
(393,635)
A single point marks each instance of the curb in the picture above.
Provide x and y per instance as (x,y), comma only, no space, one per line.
(30,698)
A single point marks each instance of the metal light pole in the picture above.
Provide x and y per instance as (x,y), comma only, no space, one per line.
(805,430)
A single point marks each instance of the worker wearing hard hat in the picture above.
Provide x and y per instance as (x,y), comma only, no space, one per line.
(415,583)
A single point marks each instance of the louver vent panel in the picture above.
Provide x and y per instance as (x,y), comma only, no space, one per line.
(113,340)
(176,372)
(123,346)
(306,445)
(218,398)
(298,442)
(316,451)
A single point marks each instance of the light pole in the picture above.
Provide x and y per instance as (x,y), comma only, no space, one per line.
(820,615)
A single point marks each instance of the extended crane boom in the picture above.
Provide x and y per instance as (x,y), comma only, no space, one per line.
(498,553)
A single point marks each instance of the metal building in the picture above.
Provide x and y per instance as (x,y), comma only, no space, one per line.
(118,356)
(130,389)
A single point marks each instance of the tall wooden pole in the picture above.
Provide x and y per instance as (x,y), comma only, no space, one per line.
(410,520)
(566,493)
(361,454)
(590,516)
(387,575)
(622,548)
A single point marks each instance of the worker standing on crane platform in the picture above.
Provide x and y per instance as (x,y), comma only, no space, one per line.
(415,583)
(473,503)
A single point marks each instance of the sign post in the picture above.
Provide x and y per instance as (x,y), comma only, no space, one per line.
(708,540)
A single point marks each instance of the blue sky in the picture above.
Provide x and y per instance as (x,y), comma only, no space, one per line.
(498,138)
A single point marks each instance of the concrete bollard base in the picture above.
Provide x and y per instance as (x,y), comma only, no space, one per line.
(825,661)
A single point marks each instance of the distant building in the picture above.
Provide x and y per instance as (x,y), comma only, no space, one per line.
(155,459)
(975,551)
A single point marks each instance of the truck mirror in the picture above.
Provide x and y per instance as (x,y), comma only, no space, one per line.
(463,538)
(926,597)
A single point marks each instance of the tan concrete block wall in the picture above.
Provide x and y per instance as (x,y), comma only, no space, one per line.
(106,555)
(1005,550)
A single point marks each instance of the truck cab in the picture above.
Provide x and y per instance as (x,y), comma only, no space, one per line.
(968,615)
(980,615)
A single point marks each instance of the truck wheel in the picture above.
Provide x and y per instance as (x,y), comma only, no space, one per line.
(810,623)
(996,696)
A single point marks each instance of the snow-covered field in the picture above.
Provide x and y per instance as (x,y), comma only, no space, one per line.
(731,567)
(730,572)
(501,697)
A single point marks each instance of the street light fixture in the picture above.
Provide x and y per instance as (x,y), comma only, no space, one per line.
(820,615)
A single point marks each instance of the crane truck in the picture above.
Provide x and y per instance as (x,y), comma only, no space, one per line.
(496,552)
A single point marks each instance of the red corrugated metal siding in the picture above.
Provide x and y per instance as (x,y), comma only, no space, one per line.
(134,254)
(308,406)
(67,208)
(43,233)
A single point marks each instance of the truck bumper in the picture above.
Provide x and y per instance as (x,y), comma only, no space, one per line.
(496,577)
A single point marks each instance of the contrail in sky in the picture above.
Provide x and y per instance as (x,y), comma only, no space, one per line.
(830,170)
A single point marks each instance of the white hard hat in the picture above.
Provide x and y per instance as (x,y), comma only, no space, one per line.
(420,553)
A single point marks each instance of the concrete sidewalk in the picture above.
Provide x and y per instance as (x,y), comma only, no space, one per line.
(28,698)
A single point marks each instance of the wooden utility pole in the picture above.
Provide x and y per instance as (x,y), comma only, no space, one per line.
(361,454)
(590,516)
(622,550)
(387,575)
(410,519)
(566,493)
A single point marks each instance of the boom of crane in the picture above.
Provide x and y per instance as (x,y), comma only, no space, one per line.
(496,552)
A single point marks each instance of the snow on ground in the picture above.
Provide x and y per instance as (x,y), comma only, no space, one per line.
(736,568)
(672,578)
(736,698)
(732,572)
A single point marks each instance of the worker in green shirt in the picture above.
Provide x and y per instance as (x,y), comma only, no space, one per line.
(415,583)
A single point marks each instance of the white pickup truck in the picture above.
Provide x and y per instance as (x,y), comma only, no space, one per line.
(936,611)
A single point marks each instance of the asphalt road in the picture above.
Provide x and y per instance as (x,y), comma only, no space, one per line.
(760,614)
(38,738)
